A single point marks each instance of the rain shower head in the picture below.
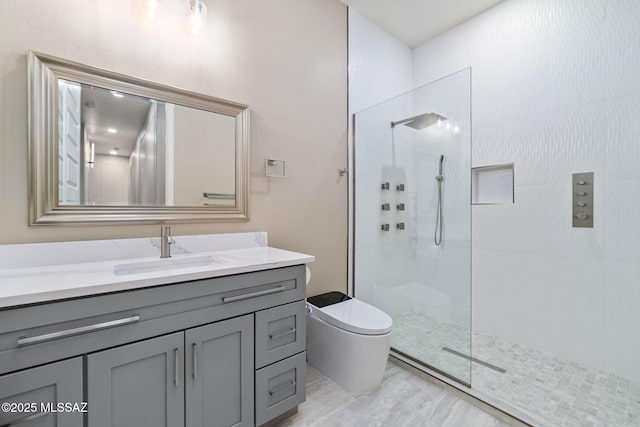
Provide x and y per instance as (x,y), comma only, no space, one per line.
(420,122)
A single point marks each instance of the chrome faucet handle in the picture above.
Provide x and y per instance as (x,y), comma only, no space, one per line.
(165,241)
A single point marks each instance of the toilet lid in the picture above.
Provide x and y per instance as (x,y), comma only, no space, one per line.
(355,316)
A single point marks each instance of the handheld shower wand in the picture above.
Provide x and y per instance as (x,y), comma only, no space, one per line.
(437,236)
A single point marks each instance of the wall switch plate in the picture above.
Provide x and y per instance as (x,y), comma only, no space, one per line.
(582,200)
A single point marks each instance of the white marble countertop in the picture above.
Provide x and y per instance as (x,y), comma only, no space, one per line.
(43,283)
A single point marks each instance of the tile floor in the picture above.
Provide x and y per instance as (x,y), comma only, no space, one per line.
(553,391)
(403,399)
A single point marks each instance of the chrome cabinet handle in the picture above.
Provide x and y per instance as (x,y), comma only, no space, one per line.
(282,388)
(253,294)
(275,337)
(176,367)
(194,349)
(25,419)
(75,331)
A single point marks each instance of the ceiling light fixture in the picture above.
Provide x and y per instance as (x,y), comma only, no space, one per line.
(115,151)
(112,130)
(117,94)
(198,13)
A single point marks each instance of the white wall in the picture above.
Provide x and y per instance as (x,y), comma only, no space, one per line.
(108,181)
(556,90)
(380,67)
(203,165)
(146,162)
(286,59)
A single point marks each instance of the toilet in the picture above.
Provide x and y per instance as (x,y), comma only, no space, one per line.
(348,340)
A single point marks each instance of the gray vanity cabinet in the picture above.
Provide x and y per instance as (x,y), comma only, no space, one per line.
(139,384)
(220,374)
(222,351)
(47,384)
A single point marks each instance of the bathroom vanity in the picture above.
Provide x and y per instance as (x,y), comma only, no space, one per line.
(159,344)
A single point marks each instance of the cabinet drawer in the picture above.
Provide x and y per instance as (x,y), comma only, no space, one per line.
(280,333)
(54,383)
(34,335)
(280,387)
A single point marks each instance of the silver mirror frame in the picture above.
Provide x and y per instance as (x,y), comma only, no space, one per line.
(44,72)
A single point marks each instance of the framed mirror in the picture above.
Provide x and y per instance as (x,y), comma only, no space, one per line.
(109,148)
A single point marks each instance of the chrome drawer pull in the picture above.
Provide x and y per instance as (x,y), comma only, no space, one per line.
(25,419)
(176,367)
(282,388)
(75,331)
(275,337)
(194,349)
(253,294)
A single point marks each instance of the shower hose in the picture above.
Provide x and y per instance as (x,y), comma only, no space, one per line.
(437,235)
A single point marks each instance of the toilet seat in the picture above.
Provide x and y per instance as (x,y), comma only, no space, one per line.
(354,316)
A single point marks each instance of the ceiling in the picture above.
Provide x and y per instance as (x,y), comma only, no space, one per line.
(126,114)
(416,21)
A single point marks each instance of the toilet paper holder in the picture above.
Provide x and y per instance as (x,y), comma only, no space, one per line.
(272,164)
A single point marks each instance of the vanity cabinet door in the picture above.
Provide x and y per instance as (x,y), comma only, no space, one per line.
(220,374)
(140,384)
(45,386)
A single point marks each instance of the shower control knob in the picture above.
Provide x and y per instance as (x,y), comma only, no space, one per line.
(582,193)
(582,216)
(581,204)
(581,182)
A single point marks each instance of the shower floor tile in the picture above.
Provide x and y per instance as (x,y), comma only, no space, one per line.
(544,387)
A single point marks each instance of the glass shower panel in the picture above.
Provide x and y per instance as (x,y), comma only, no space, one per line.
(412,223)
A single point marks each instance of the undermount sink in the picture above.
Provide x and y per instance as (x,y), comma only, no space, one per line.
(163,264)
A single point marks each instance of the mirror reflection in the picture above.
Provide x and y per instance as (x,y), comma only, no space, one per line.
(119,149)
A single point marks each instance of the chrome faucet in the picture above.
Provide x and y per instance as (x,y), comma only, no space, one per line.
(165,241)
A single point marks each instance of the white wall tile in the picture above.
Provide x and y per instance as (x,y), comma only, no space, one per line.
(622,150)
(622,227)
(623,55)
(556,91)
(621,326)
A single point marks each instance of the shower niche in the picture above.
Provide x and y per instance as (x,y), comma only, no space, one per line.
(492,185)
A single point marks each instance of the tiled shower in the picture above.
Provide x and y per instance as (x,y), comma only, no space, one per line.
(554,91)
